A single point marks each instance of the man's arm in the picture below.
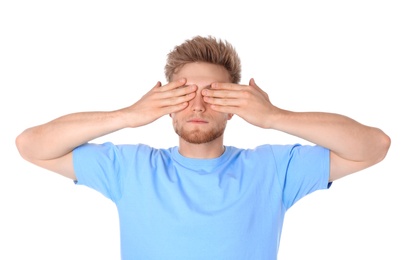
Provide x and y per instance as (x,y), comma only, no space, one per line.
(353,146)
(50,145)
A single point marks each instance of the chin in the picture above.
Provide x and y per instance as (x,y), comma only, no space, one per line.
(197,137)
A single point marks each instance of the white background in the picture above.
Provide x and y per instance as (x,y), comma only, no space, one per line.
(59,57)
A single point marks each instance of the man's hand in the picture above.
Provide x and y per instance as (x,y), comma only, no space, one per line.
(247,101)
(160,101)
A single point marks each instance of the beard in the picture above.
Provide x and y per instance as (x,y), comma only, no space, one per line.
(199,136)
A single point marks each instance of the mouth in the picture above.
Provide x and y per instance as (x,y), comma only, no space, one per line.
(197,121)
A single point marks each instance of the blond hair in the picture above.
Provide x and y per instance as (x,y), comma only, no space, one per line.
(204,49)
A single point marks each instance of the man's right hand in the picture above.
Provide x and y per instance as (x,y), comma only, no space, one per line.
(50,145)
(159,101)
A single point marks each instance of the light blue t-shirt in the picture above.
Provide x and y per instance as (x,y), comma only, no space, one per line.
(176,208)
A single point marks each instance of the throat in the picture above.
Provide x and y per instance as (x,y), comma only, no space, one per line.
(207,150)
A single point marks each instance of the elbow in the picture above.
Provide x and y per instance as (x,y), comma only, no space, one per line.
(384,144)
(22,145)
(19,142)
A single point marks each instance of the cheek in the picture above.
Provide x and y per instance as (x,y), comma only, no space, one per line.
(174,119)
(223,116)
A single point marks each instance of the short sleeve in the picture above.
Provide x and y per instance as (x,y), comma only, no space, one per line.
(302,170)
(98,167)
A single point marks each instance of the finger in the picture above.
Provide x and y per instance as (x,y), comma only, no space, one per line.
(227,86)
(253,84)
(167,102)
(236,102)
(184,90)
(174,108)
(174,84)
(225,90)
(157,85)
(220,93)
(226,109)
(177,92)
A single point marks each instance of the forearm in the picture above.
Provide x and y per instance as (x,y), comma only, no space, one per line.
(60,136)
(353,146)
(344,136)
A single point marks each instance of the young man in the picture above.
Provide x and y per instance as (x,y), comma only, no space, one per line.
(201,199)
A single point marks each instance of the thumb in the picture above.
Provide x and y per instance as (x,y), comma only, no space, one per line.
(252,83)
(158,84)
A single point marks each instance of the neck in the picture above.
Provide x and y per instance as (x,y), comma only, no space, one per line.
(208,150)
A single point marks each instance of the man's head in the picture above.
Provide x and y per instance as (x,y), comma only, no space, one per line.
(202,61)
(198,123)
(204,49)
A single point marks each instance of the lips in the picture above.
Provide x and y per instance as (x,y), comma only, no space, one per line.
(197,121)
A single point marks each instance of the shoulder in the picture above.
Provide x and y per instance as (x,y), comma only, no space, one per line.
(111,150)
(280,152)
(263,149)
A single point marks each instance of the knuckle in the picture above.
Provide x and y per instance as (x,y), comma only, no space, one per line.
(246,94)
(208,92)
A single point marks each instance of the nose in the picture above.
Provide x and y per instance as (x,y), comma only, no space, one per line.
(197,104)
